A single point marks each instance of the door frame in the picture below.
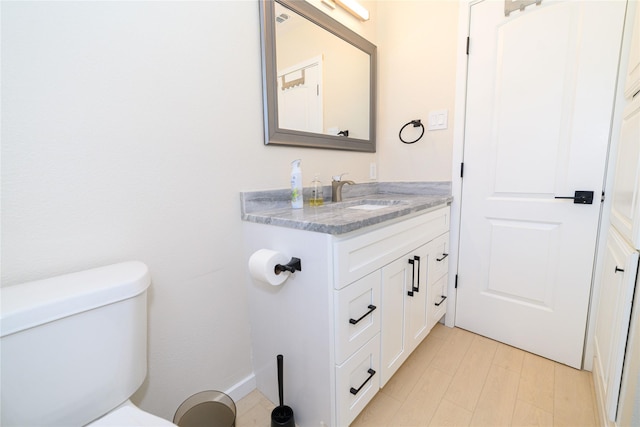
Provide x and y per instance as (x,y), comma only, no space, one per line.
(464,17)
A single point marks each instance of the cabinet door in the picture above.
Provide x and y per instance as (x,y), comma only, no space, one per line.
(625,209)
(396,282)
(405,321)
(417,300)
(612,324)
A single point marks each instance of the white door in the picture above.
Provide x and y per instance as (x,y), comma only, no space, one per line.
(540,96)
(300,97)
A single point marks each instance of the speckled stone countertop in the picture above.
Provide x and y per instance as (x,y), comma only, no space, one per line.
(399,199)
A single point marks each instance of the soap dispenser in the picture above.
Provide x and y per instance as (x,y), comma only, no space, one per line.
(317,195)
(296,185)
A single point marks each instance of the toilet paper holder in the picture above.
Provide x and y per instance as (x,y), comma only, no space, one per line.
(291,266)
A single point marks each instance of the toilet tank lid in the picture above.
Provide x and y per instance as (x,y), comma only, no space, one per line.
(35,303)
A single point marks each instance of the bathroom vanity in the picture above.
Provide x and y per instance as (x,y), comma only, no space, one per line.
(373,283)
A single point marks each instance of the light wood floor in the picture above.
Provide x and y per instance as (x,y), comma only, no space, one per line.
(457,378)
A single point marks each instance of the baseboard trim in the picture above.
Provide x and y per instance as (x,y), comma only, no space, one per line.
(242,388)
(599,390)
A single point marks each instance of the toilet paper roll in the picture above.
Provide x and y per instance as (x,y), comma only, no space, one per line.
(262,264)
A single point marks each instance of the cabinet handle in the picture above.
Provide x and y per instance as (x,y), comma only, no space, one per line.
(618,269)
(414,288)
(413,277)
(371,307)
(417,288)
(443,257)
(441,301)
(371,374)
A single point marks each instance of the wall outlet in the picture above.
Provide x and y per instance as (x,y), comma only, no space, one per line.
(373,170)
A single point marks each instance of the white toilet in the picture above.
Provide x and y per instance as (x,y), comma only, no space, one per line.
(73,349)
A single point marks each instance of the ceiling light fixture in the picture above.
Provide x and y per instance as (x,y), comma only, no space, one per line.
(355,8)
(329,3)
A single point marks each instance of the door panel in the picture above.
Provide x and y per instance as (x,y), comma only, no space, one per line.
(625,209)
(533,273)
(539,100)
(529,148)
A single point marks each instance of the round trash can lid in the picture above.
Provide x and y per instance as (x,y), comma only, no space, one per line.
(206,408)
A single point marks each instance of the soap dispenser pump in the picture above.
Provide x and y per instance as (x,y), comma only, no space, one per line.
(296,185)
(317,194)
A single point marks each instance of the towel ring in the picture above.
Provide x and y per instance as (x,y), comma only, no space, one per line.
(415,124)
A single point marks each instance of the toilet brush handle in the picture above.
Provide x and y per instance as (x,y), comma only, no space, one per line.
(280,380)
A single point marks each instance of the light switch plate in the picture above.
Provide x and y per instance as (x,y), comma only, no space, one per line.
(438,120)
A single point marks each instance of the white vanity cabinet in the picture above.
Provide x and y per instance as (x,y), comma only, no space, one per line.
(401,256)
(347,321)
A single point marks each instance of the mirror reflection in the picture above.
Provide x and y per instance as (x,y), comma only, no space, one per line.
(323,81)
(318,79)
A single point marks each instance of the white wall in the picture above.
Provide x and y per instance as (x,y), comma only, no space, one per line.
(417,45)
(129,128)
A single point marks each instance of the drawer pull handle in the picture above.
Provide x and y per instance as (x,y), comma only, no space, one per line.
(414,288)
(371,307)
(371,374)
(417,288)
(618,269)
(441,301)
(442,258)
(413,277)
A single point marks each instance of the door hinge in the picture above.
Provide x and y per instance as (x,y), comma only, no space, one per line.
(467,45)
(461,169)
(456,284)
(602,198)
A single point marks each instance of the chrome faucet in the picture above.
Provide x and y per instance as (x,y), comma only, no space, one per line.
(336,187)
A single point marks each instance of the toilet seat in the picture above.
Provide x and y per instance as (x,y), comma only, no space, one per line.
(128,414)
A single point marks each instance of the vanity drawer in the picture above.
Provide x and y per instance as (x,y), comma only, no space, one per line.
(437,300)
(357,381)
(358,256)
(357,315)
(438,258)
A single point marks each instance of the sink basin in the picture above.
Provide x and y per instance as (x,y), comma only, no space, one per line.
(371,205)
(367,207)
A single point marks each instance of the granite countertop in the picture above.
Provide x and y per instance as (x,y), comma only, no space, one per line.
(395,200)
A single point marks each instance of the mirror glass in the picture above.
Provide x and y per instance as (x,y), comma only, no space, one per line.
(318,79)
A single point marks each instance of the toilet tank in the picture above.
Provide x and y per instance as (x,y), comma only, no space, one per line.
(72,347)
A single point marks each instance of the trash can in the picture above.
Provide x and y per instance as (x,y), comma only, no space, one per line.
(206,409)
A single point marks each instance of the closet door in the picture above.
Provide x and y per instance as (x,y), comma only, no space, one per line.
(632,83)
(625,209)
(612,324)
